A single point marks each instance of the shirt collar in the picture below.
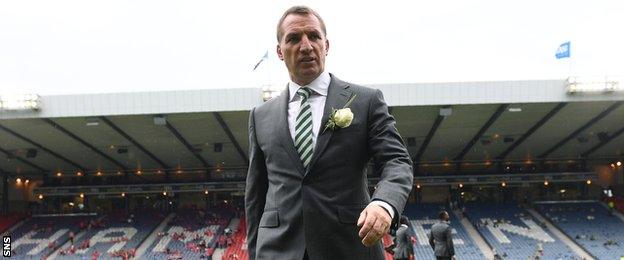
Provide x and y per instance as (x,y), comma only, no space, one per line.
(320,86)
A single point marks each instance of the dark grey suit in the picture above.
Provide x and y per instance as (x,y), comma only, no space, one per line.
(403,244)
(441,240)
(291,210)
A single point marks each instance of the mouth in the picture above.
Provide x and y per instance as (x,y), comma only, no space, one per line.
(307,60)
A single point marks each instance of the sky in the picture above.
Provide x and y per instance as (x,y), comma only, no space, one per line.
(74,47)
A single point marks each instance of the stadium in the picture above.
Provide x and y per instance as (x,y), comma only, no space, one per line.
(527,168)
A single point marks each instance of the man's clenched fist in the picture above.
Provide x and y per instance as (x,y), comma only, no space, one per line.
(374,223)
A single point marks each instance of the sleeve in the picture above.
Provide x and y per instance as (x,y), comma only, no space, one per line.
(389,153)
(431,243)
(449,241)
(408,243)
(255,188)
(386,206)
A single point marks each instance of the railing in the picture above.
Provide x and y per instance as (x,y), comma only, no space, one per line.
(170,188)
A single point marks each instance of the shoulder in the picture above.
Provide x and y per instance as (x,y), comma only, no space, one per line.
(402,229)
(435,226)
(360,90)
(269,105)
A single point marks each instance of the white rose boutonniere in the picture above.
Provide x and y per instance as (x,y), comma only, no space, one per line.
(340,118)
(343,117)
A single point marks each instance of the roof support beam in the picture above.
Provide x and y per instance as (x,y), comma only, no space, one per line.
(531,130)
(591,122)
(43,148)
(227,130)
(24,161)
(186,144)
(602,143)
(481,131)
(134,142)
(83,142)
(428,138)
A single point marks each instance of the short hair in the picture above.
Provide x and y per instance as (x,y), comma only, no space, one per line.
(404,220)
(442,214)
(299,10)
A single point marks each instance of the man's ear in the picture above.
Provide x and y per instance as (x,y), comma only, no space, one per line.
(326,47)
(279,52)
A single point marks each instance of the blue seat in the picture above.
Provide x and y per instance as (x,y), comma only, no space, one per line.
(590,224)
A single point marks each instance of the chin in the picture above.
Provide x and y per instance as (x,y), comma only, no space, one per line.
(309,73)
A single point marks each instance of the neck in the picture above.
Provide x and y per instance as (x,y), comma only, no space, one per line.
(302,82)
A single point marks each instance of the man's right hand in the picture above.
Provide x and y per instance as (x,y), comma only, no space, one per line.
(374,223)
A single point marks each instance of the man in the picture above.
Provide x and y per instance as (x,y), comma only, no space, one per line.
(307,194)
(441,238)
(403,242)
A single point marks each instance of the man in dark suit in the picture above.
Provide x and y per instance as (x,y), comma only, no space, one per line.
(441,238)
(403,242)
(307,193)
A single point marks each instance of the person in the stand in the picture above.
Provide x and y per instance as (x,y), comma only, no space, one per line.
(441,238)
(404,248)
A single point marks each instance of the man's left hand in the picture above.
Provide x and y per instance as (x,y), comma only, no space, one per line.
(374,222)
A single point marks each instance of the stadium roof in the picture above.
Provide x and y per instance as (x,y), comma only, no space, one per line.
(474,123)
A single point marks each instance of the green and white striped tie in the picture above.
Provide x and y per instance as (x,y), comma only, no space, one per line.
(303,128)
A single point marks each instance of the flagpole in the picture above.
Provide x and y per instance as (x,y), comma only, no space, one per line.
(563,52)
(268,70)
(570,59)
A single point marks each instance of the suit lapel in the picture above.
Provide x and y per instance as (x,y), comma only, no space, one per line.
(283,131)
(337,96)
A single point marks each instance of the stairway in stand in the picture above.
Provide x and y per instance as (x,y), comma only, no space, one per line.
(238,249)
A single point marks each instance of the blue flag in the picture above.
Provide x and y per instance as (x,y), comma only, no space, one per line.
(563,51)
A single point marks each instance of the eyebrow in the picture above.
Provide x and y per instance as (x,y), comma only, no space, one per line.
(296,33)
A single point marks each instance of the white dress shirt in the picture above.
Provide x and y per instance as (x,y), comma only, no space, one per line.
(319,87)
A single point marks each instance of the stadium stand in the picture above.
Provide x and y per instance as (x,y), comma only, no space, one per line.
(9,221)
(590,224)
(192,234)
(422,217)
(238,247)
(114,235)
(515,234)
(618,203)
(38,237)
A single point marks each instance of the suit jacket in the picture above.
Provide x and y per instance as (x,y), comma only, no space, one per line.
(291,210)
(403,244)
(441,239)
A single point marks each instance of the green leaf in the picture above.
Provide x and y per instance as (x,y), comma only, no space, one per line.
(349,101)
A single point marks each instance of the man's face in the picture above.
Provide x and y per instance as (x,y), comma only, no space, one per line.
(302,47)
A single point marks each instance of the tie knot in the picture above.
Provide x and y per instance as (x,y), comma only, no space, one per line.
(304,93)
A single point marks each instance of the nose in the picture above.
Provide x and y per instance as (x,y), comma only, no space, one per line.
(305,46)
